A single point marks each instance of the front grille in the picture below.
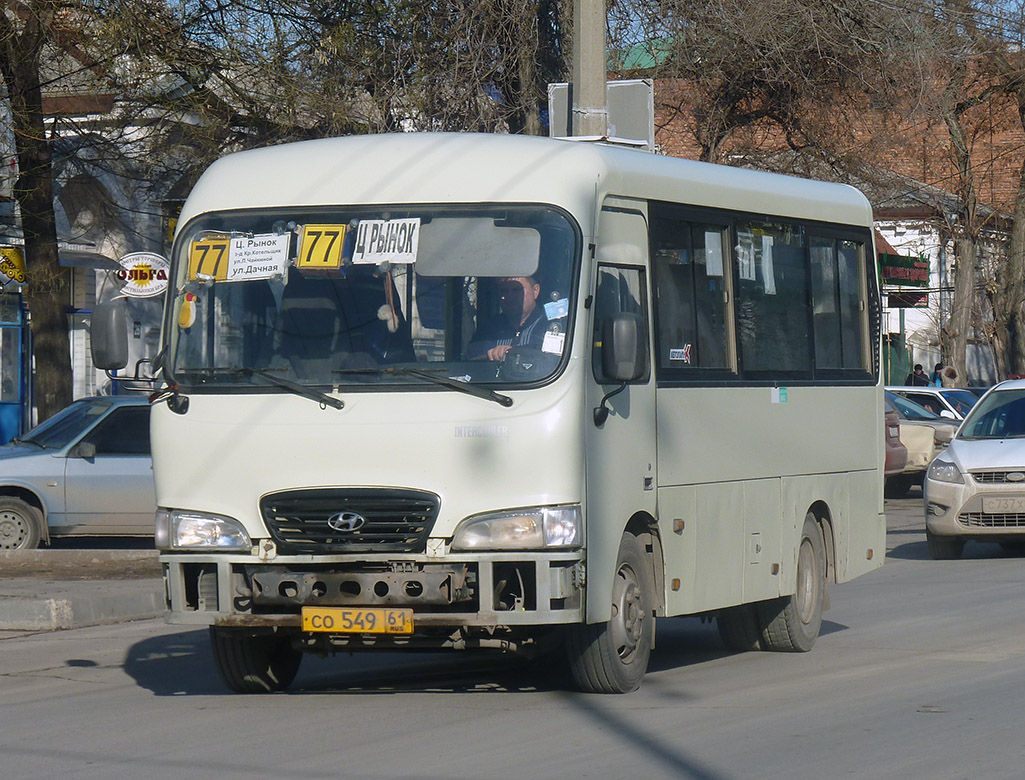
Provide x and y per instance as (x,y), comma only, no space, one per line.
(389,520)
(998,477)
(983,520)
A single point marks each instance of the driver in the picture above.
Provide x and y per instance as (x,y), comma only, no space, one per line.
(520,321)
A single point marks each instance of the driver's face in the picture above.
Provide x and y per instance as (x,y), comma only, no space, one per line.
(518,297)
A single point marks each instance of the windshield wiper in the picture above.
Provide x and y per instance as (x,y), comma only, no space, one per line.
(286,384)
(20,440)
(294,387)
(441,381)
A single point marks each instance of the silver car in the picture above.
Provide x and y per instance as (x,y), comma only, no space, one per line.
(975,489)
(86,471)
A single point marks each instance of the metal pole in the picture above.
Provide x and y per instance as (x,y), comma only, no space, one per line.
(590,114)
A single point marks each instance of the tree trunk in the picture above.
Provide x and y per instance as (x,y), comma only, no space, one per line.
(1014,271)
(48,288)
(962,305)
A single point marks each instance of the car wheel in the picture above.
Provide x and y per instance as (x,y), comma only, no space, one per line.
(739,628)
(254,663)
(613,657)
(21,525)
(944,548)
(792,623)
(897,486)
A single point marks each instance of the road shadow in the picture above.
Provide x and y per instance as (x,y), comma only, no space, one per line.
(182,664)
(919,551)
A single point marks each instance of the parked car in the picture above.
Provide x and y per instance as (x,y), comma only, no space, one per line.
(85,471)
(976,488)
(896,452)
(953,403)
(924,434)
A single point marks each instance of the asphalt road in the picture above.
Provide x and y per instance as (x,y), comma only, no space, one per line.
(919,673)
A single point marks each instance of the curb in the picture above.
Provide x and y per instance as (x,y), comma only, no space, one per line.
(26,614)
(45,605)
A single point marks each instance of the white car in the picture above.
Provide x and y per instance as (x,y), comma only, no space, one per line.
(953,403)
(85,471)
(976,488)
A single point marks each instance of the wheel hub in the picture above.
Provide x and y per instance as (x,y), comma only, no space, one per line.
(13,531)
(628,614)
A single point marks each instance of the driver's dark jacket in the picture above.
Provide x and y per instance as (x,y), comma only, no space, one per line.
(497,332)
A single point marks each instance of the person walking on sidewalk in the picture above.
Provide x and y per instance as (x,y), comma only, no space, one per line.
(918,377)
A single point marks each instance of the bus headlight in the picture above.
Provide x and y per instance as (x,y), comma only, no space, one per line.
(535,528)
(183,530)
(945,471)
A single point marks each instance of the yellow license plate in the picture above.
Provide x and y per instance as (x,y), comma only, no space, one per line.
(351,620)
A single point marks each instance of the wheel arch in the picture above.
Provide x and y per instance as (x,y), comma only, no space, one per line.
(644,526)
(824,518)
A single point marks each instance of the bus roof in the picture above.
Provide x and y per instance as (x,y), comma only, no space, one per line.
(480,168)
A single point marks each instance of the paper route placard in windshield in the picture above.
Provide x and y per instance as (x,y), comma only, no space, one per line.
(235,259)
(391,240)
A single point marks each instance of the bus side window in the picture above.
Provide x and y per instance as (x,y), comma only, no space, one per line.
(690,294)
(771,299)
(837,292)
(618,289)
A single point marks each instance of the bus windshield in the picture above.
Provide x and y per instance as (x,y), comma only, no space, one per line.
(351,297)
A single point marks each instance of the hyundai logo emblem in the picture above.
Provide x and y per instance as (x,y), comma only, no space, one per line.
(346,521)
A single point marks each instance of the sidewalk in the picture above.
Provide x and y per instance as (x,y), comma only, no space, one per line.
(44,590)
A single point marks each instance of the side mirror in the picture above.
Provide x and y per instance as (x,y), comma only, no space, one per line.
(85,449)
(947,414)
(109,336)
(624,356)
(624,351)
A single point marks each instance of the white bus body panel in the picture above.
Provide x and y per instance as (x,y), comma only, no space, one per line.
(230,450)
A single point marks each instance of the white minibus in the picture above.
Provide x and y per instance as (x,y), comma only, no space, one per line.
(425,391)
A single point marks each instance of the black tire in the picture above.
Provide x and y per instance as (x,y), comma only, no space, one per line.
(613,657)
(791,624)
(943,548)
(21,525)
(897,486)
(254,663)
(739,628)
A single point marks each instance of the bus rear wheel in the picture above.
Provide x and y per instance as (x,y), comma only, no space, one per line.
(792,623)
(613,657)
(254,663)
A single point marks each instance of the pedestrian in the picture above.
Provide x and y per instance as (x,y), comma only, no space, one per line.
(918,377)
(936,380)
(949,377)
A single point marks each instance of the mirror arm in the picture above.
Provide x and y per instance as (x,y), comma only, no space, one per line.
(601,412)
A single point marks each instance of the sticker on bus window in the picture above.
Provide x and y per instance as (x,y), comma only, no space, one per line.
(553,343)
(555,310)
(321,250)
(681,354)
(238,259)
(386,240)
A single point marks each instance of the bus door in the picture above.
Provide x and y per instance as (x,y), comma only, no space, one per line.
(620,453)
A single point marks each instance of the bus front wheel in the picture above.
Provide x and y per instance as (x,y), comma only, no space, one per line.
(254,663)
(612,657)
(792,623)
